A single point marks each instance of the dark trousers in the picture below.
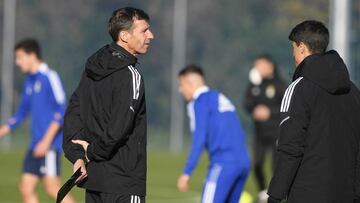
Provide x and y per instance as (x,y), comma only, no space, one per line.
(262,146)
(100,197)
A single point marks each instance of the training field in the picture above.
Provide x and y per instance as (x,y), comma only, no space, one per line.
(163,171)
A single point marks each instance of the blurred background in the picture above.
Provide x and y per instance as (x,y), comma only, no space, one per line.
(223,37)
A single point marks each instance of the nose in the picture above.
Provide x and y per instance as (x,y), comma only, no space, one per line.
(150,35)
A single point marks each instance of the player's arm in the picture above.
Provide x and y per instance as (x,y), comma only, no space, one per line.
(73,127)
(199,123)
(20,114)
(56,96)
(291,143)
(249,101)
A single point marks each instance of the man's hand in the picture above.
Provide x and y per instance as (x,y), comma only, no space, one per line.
(261,113)
(80,164)
(41,148)
(84,145)
(183,183)
(4,130)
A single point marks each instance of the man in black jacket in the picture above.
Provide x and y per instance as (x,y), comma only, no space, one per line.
(105,123)
(262,101)
(318,147)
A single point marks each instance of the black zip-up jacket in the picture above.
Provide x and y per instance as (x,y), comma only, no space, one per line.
(318,148)
(268,93)
(108,110)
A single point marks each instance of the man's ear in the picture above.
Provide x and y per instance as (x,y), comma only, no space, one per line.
(303,48)
(124,36)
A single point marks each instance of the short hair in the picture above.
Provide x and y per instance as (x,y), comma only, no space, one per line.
(123,19)
(192,68)
(313,34)
(29,45)
(266,57)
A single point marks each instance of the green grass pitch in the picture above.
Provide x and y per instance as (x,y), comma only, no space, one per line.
(163,171)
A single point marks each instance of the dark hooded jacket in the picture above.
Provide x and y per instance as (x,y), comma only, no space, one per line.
(108,110)
(318,147)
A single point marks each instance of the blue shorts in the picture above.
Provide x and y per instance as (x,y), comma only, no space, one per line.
(224,183)
(45,166)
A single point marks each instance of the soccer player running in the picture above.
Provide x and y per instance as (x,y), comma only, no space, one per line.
(318,148)
(215,127)
(43,98)
(105,123)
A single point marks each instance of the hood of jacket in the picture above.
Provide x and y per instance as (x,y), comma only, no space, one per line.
(108,60)
(327,70)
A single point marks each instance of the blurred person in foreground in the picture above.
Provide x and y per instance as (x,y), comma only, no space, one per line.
(262,101)
(43,98)
(318,149)
(105,123)
(215,127)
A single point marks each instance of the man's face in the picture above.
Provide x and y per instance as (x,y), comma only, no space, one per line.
(265,67)
(297,53)
(24,60)
(185,88)
(139,37)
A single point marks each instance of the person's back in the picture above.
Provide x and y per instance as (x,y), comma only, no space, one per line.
(216,128)
(327,171)
(319,135)
(225,139)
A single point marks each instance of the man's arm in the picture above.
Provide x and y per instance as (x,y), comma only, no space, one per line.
(23,108)
(73,127)
(198,113)
(293,128)
(249,101)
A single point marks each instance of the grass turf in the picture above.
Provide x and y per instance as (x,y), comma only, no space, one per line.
(163,171)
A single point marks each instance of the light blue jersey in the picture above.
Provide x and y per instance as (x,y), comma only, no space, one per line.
(215,127)
(42,97)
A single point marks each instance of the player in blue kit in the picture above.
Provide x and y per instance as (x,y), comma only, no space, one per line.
(43,99)
(215,127)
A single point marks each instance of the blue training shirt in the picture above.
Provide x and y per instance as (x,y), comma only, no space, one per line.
(42,97)
(215,127)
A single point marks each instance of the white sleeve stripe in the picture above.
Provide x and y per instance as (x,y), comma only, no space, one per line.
(285,104)
(133,80)
(285,96)
(56,87)
(136,81)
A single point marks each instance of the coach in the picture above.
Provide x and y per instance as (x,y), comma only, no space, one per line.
(318,147)
(105,123)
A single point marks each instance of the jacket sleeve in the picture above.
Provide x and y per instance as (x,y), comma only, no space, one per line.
(198,113)
(73,128)
(295,114)
(121,121)
(280,90)
(23,108)
(249,101)
(57,93)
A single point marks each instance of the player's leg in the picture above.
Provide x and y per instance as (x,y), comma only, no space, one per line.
(29,179)
(27,188)
(259,153)
(238,186)
(50,172)
(52,185)
(219,182)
